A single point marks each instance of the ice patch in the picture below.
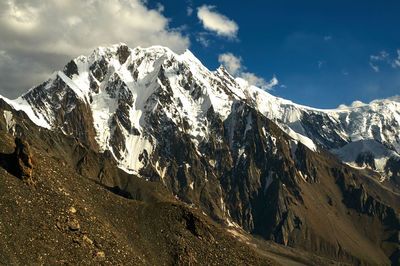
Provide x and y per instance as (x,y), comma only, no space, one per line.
(10,122)
(161,171)
(351,151)
(293,148)
(136,149)
(304,177)
(223,208)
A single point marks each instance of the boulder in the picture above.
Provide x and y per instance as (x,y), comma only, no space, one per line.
(23,161)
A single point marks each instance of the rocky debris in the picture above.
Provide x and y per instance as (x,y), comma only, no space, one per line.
(87,240)
(73,224)
(72,210)
(100,256)
(23,161)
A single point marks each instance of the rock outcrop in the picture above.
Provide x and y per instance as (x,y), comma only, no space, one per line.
(22,158)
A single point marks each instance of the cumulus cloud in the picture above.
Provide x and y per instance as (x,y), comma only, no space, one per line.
(260,82)
(232,63)
(38,37)
(216,22)
(385,58)
(234,66)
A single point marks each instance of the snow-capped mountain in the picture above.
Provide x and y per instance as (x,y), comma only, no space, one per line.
(119,89)
(235,152)
(363,135)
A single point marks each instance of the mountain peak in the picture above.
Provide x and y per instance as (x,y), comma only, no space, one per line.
(120,88)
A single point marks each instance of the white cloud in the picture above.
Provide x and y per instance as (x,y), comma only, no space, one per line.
(384,58)
(383,55)
(327,38)
(202,38)
(160,7)
(234,66)
(51,32)
(374,67)
(232,63)
(217,22)
(396,62)
(260,82)
(273,82)
(320,64)
(189,11)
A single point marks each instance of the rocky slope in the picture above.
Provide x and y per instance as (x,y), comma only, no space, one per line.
(78,215)
(246,159)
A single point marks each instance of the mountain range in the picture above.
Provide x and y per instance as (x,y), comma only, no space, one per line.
(323,182)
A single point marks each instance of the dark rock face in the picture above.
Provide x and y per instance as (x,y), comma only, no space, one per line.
(71,69)
(366,158)
(99,69)
(72,115)
(323,130)
(94,85)
(123,53)
(392,168)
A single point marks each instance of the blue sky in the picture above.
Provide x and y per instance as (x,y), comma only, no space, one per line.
(318,53)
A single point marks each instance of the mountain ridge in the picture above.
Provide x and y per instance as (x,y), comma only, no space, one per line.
(294,119)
